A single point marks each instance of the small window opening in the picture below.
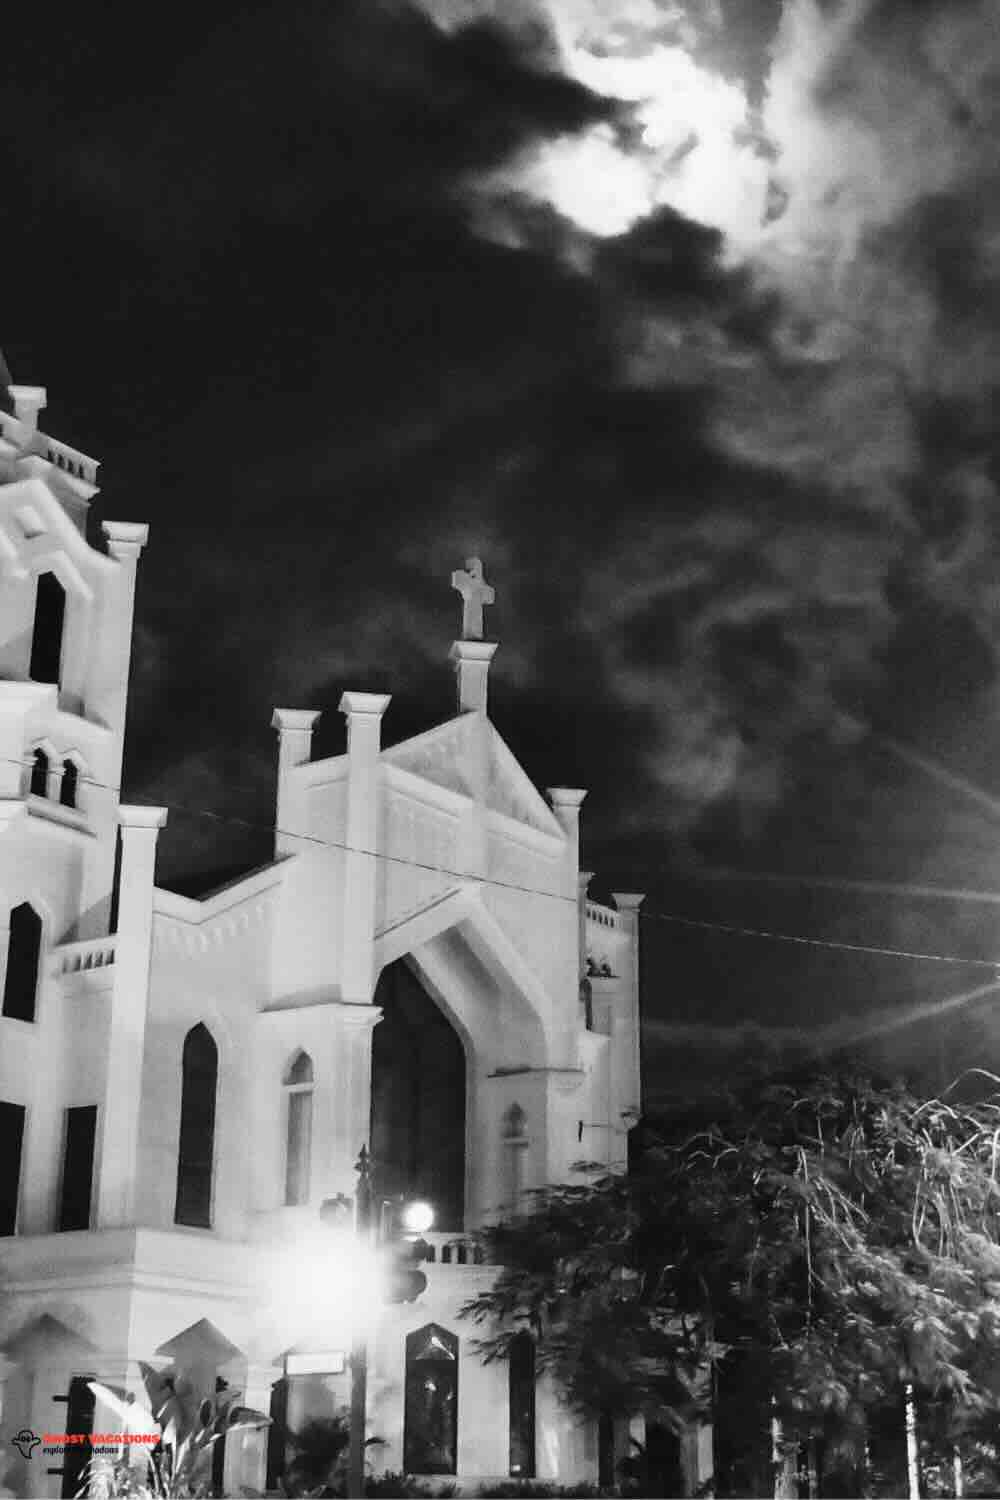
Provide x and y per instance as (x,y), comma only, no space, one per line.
(40,774)
(70,783)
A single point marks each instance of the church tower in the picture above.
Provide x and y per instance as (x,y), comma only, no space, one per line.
(65,643)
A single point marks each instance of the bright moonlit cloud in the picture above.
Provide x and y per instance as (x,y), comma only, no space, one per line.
(688,149)
(687,138)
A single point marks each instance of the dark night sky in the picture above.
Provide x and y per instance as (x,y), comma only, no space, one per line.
(685,317)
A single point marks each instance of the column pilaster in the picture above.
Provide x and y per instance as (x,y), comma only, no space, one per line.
(345,1119)
(295,731)
(245,1470)
(628,904)
(118,1169)
(363,712)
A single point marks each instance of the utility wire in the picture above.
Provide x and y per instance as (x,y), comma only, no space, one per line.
(709,874)
(813,942)
(708,926)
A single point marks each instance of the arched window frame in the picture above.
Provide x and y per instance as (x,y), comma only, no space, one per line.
(30,963)
(40,764)
(73,764)
(196,1160)
(415,1450)
(514,1145)
(298,1085)
(55,606)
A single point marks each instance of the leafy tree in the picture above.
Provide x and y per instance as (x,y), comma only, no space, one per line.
(792,1261)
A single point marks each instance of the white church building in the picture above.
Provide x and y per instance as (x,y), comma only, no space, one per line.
(183,1082)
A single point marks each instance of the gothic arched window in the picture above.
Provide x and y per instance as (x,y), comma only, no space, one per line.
(70,783)
(47,632)
(430,1420)
(196,1147)
(39,774)
(12,1134)
(298,1127)
(23,948)
(521,1386)
(514,1145)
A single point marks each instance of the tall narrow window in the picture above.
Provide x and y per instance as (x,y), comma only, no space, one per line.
(196,1147)
(78,1167)
(23,948)
(11,1142)
(430,1419)
(40,774)
(47,635)
(605,1450)
(70,783)
(116,885)
(515,1145)
(79,1418)
(219,1448)
(277,1434)
(298,1128)
(521,1375)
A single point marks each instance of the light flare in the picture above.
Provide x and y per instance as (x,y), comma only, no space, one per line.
(322,1284)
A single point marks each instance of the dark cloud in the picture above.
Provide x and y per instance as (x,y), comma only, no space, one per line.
(719,501)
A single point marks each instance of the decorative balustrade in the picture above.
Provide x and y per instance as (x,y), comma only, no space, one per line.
(68,459)
(602,915)
(456,1250)
(81,958)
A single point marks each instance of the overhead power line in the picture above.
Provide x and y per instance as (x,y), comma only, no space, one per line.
(843,883)
(722,928)
(814,942)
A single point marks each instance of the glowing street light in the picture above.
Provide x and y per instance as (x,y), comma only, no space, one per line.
(417,1217)
(357,1270)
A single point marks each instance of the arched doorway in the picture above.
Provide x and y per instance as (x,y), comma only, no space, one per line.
(418,1099)
(430,1421)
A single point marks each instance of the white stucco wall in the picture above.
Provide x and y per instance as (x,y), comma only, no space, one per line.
(438,851)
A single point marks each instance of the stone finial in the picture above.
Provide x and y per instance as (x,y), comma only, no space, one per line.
(295,731)
(472,665)
(566,804)
(363,712)
(628,904)
(132,815)
(126,539)
(28,401)
(572,797)
(475,592)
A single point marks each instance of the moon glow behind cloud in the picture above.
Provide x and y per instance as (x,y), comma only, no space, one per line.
(685,137)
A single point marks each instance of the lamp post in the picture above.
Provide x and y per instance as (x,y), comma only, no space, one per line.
(363,1226)
(372,1230)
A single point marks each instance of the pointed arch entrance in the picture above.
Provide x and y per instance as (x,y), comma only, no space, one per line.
(418,1098)
(504,1020)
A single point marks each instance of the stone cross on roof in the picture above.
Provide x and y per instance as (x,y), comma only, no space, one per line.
(475,592)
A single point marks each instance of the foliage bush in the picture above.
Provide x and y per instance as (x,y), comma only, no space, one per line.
(809,1251)
(537,1487)
(319,1463)
(181,1467)
(392,1483)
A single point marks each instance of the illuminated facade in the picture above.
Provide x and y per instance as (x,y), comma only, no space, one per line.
(183,1082)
